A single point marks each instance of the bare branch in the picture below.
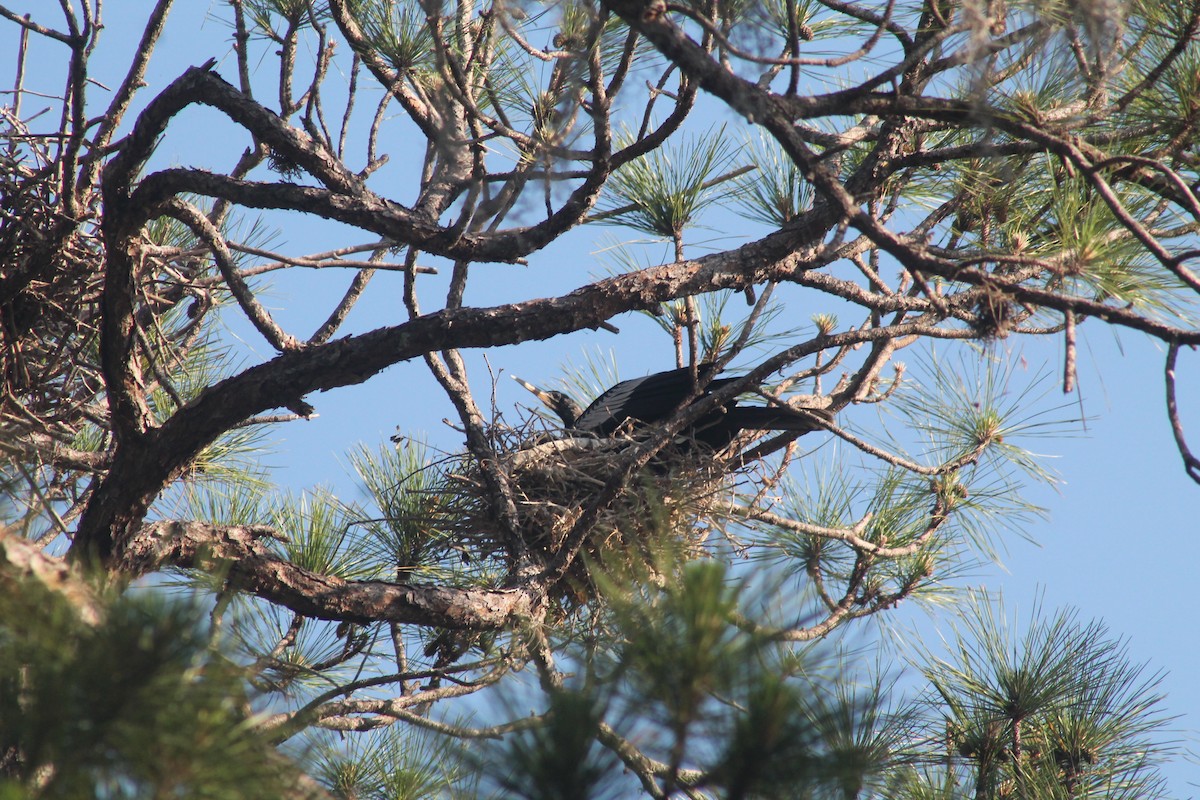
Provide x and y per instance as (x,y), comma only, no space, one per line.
(253,567)
(1190,463)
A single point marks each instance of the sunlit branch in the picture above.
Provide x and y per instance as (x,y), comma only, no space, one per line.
(1190,462)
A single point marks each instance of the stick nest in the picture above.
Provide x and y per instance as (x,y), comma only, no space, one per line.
(664,506)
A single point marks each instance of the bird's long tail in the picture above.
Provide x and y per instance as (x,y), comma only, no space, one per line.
(757,418)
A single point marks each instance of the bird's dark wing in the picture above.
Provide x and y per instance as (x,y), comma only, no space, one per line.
(649,399)
(608,410)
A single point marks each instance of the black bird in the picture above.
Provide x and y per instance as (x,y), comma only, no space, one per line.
(656,398)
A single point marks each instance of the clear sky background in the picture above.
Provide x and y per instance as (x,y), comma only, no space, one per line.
(1120,541)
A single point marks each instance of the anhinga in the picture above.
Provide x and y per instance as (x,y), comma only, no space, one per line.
(656,398)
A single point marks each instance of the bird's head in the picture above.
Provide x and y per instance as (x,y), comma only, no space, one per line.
(558,402)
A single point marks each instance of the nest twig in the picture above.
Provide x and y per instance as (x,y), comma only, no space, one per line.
(662,507)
